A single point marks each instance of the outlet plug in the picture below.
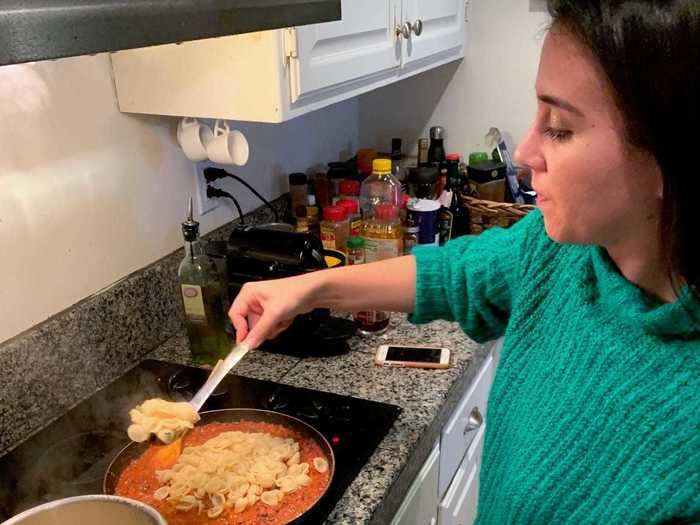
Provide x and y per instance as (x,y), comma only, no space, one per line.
(204,203)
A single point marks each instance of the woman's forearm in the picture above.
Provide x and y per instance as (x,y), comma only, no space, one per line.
(384,285)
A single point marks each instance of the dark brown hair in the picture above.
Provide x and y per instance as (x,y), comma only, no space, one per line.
(650,52)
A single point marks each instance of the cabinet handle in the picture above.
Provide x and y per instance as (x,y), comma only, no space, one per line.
(404,30)
(417,27)
(475,421)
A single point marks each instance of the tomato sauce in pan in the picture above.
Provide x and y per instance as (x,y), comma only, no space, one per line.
(138,481)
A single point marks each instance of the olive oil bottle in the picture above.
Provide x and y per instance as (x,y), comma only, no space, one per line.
(202,298)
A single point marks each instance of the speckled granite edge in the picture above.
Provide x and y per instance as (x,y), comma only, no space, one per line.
(427,398)
(53,366)
(393,498)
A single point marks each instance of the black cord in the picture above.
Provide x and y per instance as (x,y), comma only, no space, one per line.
(211,174)
(216,192)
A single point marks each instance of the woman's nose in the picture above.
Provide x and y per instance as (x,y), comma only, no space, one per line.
(528,152)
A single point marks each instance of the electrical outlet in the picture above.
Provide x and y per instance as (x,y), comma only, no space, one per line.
(204,203)
(466,10)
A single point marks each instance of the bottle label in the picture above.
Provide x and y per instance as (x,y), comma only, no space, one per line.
(355,226)
(380,249)
(194,303)
(356,257)
(328,238)
(445,225)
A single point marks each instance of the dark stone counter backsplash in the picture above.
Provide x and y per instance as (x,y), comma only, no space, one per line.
(51,367)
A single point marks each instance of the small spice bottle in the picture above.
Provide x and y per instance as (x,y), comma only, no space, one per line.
(352,207)
(335,228)
(410,234)
(298,191)
(350,189)
(312,218)
(356,250)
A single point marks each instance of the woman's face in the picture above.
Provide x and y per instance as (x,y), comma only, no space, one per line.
(592,186)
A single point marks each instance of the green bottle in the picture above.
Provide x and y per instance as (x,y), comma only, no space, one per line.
(202,298)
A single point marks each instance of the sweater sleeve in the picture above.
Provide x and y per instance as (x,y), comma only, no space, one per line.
(474,279)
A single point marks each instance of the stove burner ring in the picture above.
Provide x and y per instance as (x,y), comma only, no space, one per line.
(80,459)
(183,383)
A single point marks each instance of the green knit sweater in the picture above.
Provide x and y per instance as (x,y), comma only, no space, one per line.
(594,413)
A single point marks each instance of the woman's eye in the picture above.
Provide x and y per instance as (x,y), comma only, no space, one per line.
(556,134)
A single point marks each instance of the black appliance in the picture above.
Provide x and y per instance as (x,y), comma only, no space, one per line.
(33,30)
(71,455)
(258,253)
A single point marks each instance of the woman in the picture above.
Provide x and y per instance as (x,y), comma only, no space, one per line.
(594,415)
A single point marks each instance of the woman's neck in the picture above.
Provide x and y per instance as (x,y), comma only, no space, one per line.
(642,263)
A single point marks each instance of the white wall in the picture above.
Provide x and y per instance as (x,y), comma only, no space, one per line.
(492,86)
(89,195)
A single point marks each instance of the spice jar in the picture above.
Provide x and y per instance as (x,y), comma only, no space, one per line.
(312,215)
(410,234)
(298,190)
(352,207)
(349,189)
(334,228)
(356,250)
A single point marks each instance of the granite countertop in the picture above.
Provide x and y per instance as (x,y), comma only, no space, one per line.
(427,398)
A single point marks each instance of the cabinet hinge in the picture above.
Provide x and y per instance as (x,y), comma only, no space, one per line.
(290,44)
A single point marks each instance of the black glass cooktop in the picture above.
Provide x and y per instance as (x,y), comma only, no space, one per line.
(70,456)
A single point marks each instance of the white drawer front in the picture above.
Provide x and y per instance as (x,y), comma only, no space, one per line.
(459,505)
(463,426)
(420,507)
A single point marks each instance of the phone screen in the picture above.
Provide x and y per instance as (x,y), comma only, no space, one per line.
(420,355)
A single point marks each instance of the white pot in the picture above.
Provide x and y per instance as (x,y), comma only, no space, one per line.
(99,509)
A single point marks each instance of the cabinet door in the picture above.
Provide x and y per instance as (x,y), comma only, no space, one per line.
(442,32)
(460,502)
(420,507)
(361,46)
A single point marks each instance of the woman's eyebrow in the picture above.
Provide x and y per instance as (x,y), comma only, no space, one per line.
(560,103)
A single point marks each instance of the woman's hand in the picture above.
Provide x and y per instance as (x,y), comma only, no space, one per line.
(263,309)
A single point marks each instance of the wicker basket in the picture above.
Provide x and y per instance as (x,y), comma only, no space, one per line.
(486,214)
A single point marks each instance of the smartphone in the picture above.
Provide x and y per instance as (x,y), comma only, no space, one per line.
(413,356)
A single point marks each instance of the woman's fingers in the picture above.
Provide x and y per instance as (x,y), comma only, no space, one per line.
(240,324)
(261,328)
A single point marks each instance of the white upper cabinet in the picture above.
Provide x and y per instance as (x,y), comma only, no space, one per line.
(361,46)
(272,76)
(437,30)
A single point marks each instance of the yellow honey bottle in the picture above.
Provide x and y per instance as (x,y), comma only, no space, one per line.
(383,238)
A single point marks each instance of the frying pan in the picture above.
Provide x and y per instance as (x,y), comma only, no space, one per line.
(134,450)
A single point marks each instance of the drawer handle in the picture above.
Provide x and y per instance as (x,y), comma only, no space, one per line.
(404,30)
(417,27)
(475,421)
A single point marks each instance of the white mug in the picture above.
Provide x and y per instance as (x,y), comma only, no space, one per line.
(194,138)
(228,146)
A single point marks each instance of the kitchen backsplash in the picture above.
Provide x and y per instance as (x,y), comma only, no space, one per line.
(53,366)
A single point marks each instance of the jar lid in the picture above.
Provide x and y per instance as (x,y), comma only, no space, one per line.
(424,175)
(350,187)
(350,205)
(453,156)
(355,242)
(437,132)
(381,165)
(477,157)
(297,179)
(337,170)
(334,213)
(385,211)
